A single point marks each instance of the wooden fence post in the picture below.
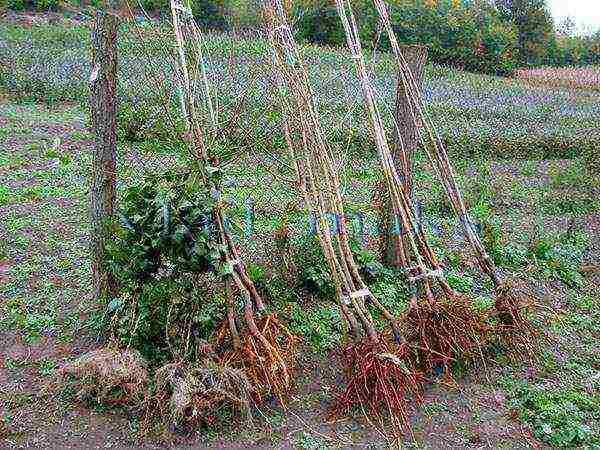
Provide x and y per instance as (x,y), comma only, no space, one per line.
(407,133)
(104,153)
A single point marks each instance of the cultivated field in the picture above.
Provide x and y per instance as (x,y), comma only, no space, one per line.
(520,154)
(583,78)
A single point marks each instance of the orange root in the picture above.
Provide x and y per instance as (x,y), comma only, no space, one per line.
(268,367)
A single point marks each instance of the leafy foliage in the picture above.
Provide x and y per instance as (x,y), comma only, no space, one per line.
(319,325)
(313,274)
(40,5)
(456,34)
(577,50)
(164,244)
(166,223)
(537,38)
(559,418)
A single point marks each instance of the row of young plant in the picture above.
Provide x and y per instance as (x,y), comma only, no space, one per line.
(152,254)
(164,257)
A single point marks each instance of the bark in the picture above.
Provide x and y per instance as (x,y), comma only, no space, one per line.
(406,138)
(104,151)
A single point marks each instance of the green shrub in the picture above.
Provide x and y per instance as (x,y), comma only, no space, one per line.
(318,22)
(243,14)
(40,5)
(210,14)
(536,34)
(592,163)
(460,282)
(164,244)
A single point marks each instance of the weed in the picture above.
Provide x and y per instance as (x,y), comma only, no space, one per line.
(559,418)
(307,441)
(318,325)
(47,367)
(561,256)
(4,195)
(573,175)
(460,282)
(313,273)
(433,409)
(529,168)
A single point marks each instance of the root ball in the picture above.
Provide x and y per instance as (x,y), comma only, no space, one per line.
(193,395)
(112,376)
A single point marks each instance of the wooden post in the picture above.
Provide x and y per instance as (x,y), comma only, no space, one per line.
(408,131)
(104,153)
(406,137)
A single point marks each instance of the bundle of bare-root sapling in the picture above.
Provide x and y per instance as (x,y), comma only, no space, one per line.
(510,304)
(262,347)
(377,369)
(443,326)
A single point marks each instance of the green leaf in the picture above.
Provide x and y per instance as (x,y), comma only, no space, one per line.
(212,170)
(114,304)
(166,215)
(226,269)
(127,223)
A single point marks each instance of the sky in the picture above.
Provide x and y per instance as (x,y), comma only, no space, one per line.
(586,13)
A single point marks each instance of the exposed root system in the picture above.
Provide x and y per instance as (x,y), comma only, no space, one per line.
(510,306)
(446,331)
(515,328)
(112,377)
(267,359)
(193,395)
(379,378)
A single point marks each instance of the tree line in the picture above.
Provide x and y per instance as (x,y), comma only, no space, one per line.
(486,36)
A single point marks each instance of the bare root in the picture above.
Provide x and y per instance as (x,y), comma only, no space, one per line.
(445,331)
(266,359)
(111,376)
(379,378)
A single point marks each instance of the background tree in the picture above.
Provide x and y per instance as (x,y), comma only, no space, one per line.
(536,34)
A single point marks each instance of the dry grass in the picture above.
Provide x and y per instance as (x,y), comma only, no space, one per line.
(195,394)
(113,377)
(577,78)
